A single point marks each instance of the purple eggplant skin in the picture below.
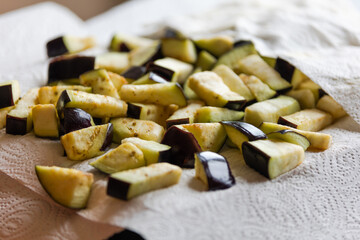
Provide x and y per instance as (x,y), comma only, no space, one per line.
(62,101)
(249,130)
(285,69)
(157,55)
(16,126)
(236,105)
(108,138)
(285,122)
(165,73)
(241,43)
(133,111)
(256,159)
(157,78)
(62,68)
(6,97)
(117,188)
(124,48)
(183,146)
(76,119)
(217,170)
(178,121)
(56,47)
(135,72)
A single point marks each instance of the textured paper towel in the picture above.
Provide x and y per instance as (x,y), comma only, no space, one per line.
(318,200)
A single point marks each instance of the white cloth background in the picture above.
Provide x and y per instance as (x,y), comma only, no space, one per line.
(318,200)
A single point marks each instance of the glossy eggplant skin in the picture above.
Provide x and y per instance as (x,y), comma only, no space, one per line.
(165,73)
(285,69)
(108,138)
(183,146)
(69,67)
(6,97)
(113,187)
(15,125)
(217,170)
(134,72)
(76,119)
(256,159)
(56,47)
(252,132)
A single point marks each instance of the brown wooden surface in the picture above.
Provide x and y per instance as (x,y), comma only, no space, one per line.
(85,9)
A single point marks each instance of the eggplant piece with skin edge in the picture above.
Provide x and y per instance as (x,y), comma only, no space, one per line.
(184,115)
(9,93)
(76,119)
(19,120)
(124,157)
(164,72)
(112,61)
(308,120)
(213,170)
(183,146)
(144,129)
(205,61)
(270,110)
(163,94)
(260,90)
(69,67)
(291,137)
(118,42)
(96,105)
(68,187)
(154,152)
(3,113)
(329,105)
(87,142)
(240,132)
(305,97)
(181,49)
(289,72)
(68,44)
(50,94)
(254,65)
(211,88)
(134,73)
(216,45)
(216,114)
(131,183)
(143,55)
(319,141)
(271,158)
(181,69)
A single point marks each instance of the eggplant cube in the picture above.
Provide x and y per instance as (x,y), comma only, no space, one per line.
(213,170)
(100,82)
(9,93)
(272,158)
(182,49)
(45,120)
(131,183)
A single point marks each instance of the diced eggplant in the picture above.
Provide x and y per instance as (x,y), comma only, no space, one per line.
(152,112)
(255,65)
(291,137)
(121,41)
(183,146)
(205,61)
(182,49)
(329,105)
(50,95)
(240,132)
(128,127)
(131,183)
(188,92)
(163,94)
(154,152)
(68,44)
(143,55)
(305,97)
(234,82)
(45,120)
(213,170)
(184,115)
(181,69)
(260,90)
(272,158)
(87,142)
(134,73)
(68,187)
(210,136)
(315,89)
(308,120)
(117,80)
(150,78)
(95,104)
(217,45)
(166,73)
(69,67)
(289,72)
(76,119)
(232,57)
(320,141)
(270,110)
(100,82)
(112,61)
(216,114)
(211,88)
(9,93)
(269,60)
(126,156)
(3,113)
(19,120)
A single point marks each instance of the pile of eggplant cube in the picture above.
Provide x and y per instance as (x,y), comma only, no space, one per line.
(168,103)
